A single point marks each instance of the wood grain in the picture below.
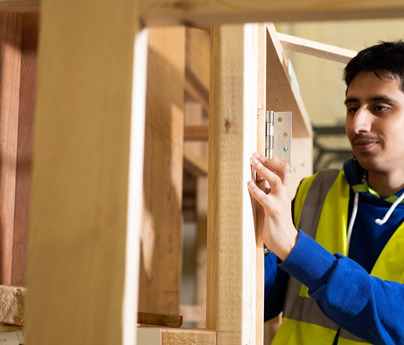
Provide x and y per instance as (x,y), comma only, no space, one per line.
(215,12)
(12,304)
(168,320)
(257,209)
(160,268)
(231,284)
(324,51)
(196,133)
(29,44)
(10,70)
(77,269)
(167,336)
(203,14)
(187,336)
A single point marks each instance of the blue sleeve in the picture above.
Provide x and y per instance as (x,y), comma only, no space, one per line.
(275,287)
(371,308)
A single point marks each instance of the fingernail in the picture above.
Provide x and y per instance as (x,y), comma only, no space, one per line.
(251,184)
(256,155)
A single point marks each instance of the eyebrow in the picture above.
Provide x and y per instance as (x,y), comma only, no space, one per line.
(378,98)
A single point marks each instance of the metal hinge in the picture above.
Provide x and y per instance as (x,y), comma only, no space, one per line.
(278,135)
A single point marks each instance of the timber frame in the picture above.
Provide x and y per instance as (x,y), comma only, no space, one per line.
(87,187)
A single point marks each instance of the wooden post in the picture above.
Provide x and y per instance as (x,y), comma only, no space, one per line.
(29,42)
(84,225)
(160,269)
(10,55)
(18,42)
(195,116)
(231,284)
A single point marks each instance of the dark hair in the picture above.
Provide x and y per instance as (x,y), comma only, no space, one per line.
(385,57)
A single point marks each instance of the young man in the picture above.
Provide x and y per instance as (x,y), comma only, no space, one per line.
(339,278)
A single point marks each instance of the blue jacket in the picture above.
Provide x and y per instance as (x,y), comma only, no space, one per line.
(366,306)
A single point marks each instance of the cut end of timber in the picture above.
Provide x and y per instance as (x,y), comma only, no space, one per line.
(12,300)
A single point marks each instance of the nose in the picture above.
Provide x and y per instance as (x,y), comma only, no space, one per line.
(361,121)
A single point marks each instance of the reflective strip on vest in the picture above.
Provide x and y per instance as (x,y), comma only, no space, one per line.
(321,198)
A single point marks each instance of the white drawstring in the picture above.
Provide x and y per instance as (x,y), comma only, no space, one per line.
(352,221)
(377,221)
(390,211)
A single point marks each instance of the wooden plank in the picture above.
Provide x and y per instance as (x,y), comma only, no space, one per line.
(175,336)
(281,93)
(202,14)
(167,320)
(215,12)
(187,336)
(29,45)
(10,68)
(231,276)
(195,117)
(201,246)
(10,328)
(196,133)
(321,50)
(18,64)
(257,209)
(160,269)
(80,231)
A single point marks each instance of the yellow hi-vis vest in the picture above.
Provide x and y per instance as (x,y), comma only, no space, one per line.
(321,210)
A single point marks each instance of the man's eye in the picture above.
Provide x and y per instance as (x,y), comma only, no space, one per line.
(352,110)
(381,108)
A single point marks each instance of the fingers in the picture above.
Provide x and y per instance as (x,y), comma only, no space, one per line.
(280,168)
(258,194)
(271,170)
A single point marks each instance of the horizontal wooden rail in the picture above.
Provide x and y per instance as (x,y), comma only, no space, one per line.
(203,14)
(320,50)
(196,133)
(215,12)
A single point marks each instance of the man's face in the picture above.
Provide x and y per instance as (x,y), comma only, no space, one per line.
(375,122)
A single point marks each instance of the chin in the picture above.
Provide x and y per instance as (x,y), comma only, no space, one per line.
(367,163)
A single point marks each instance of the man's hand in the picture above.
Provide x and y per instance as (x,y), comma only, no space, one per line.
(279,234)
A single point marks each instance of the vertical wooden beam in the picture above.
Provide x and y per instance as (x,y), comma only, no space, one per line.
(231,285)
(160,270)
(257,209)
(29,42)
(18,41)
(201,244)
(195,116)
(80,234)
(10,68)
